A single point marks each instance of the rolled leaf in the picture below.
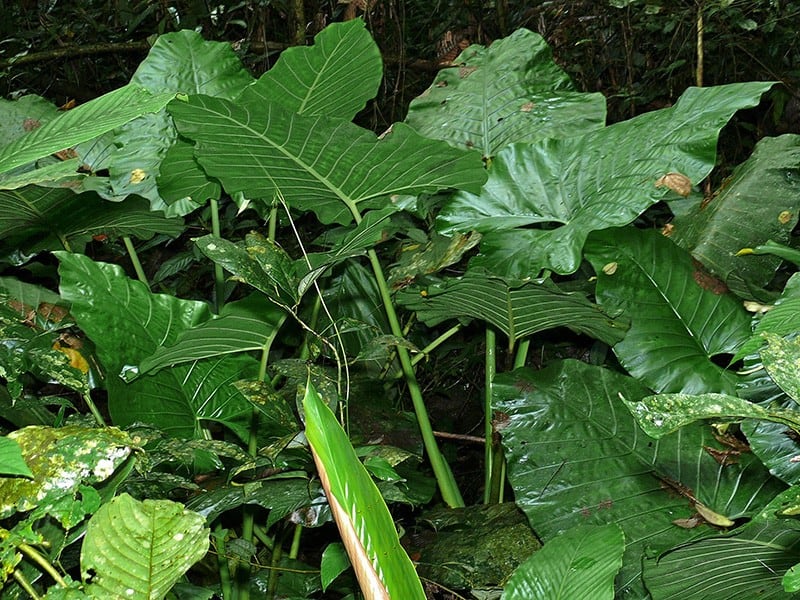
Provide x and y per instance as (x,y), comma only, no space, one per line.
(367,529)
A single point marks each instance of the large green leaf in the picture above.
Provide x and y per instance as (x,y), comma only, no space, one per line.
(82,124)
(510,92)
(747,563)
(680,317)
(317,163)
(34,218)
(247,325)
(575,455)
(128,324)
(179,62)
(334,77)
(759,202)
(366,526)
(577,565)
(603,179)
(139,550)
(516,311)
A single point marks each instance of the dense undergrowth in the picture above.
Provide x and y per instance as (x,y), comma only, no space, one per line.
(226,309)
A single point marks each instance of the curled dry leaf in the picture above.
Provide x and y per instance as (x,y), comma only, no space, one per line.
(677,182)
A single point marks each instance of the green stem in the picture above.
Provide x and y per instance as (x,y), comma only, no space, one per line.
(295,549)
(25,584)
(272,585)
(441,470)
(222,563)
(490,368)
(93,409)
(425,352)
(219,274)
(447,483)
(272,226)
(522,353)
(137,265)
(42,562)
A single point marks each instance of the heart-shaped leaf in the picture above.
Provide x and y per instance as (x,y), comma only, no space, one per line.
(334,77)
(603,179)
(510,92)
(34,218)
(576,456)
(516,311)
(681,317)
(128,324)
(579,564)
(316,163)
(747,563)
(81,124)
(247,325)
(759,202)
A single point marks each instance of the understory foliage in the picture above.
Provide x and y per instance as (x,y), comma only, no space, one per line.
(219,295)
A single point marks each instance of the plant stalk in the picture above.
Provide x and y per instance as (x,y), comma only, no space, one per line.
(219,274)
(222,563)
(444,476)
(441,470)
(42,563)
(93,409)
(700,49)
(137,265)
(490,368)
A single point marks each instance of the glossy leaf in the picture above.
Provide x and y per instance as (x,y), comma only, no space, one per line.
(516,311)
(747,563)
(576,185)
(33,219)
(139,550)
(128,324)
(681,317)
(247,325)
(81,124)
(665,413)
(21,116)
(334,77)
(179,62)
(317,163)
(759,202)
(579,564)
(365,524)
(12,464)
(510,92)
(576,456)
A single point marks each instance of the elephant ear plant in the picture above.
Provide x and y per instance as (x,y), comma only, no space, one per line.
(225,424)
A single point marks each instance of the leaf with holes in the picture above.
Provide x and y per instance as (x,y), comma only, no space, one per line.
(139,550)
